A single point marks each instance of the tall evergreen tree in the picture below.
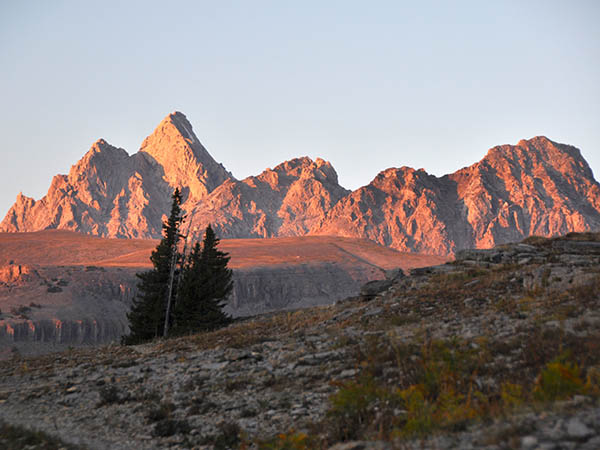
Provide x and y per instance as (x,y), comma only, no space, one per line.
(147,315)
(206,284)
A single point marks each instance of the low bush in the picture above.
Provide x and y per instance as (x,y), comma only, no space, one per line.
(439,388)
(560,379)
(17,438)
(109,394)
(160,412)
(229,436)
(169,427)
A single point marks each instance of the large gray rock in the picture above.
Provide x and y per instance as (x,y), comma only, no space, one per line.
(373,288)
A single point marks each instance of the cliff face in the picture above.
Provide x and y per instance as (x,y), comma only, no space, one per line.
(51,307)
(535,187)
(61,306)
(182,159)
(265,289)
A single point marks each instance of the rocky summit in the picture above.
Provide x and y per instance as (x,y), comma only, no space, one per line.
(110,193)
(537,187)
(498,349)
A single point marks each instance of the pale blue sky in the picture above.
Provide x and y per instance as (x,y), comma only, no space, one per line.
(365,85)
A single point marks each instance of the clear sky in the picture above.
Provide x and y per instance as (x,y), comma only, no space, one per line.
(366,85)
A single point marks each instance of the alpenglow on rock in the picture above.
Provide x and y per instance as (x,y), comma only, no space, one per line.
(109,193)
(288,200)
(535,187)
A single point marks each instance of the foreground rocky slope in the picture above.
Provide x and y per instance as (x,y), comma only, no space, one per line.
(537,187)
(498,349)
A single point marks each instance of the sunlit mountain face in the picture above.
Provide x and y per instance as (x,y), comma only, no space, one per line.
(537,187)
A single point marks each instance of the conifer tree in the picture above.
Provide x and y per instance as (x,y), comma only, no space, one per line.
(204,289)
(147,315)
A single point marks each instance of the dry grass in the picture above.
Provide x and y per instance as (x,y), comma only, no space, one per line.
(57,247)
(546,242)
(248,332)
(436,387)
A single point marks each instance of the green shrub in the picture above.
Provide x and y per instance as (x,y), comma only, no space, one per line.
(511,395)
(352,407)
(560,379)
(437,392)
(419,413)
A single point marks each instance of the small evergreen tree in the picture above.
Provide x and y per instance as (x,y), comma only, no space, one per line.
(204,289)
(147,315)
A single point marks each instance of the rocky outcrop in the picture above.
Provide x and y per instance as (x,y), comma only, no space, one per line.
(66,332)
(50,308)
(537,187)
(16,273)
(266,289)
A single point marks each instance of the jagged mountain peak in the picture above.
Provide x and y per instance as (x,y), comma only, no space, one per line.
(101,159)
(536,140)
(537,186)
(538,146)
(173,135)
(21,197)
(541,155)
(101,146)
(179,121)
(306,167)
(184,160)
(404,171)
(110,193)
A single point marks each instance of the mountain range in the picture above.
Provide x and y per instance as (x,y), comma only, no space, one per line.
(537,187)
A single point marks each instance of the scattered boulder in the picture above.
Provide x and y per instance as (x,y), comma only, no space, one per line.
(373,288)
